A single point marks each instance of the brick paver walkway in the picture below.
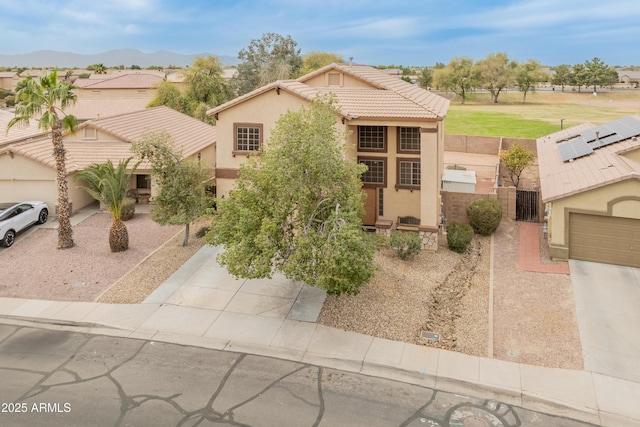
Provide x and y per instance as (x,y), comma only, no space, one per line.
(529,251)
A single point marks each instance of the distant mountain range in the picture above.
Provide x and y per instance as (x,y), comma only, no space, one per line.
(112,58)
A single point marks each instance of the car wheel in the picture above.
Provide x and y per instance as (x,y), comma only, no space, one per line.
(9,238)
(42,218)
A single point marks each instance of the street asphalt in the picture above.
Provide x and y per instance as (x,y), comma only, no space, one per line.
(62,378)
(207,349)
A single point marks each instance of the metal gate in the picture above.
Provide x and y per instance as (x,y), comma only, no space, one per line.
(527,205)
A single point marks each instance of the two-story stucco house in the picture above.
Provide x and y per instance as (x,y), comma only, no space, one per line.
(396,130)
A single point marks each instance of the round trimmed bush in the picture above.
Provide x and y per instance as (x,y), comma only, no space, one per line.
(484,215)
(459,236)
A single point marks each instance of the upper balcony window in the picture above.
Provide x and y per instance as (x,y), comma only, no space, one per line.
(409,139)
(372,138)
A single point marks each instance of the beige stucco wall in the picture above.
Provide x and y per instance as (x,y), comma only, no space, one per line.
(25,179)
(9,83)
(88,93)
(100,137)
(633,155)
(619,199)
(265,109)
(345,80)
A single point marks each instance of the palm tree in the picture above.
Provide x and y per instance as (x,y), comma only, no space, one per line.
(98,68)
(47,99)
(108,185)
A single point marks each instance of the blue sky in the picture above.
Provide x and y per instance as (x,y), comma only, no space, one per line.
(421,32)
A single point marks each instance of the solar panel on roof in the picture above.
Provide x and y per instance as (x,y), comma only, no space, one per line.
(583,143)
(574,149)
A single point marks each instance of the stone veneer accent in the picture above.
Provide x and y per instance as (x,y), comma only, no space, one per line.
(384,227)
(429,240)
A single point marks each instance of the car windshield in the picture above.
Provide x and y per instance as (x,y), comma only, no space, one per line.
(4,209)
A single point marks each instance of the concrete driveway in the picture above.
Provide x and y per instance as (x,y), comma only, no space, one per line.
(608,309)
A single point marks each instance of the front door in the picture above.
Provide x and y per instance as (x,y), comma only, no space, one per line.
(370,206)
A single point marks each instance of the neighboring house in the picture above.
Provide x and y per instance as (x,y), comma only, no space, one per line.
(18,133)
(396,130)
(27,170)
(629,76)
(113,94)
(590,183)
(9,80)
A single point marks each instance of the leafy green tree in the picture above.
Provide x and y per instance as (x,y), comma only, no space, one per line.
(205,89)
(496,73)
(562,75)
(579,76)
(598,73)
(298,207)
(273,57)
(182,183)
(169,95)
(46,100)
(516,159)
(459,76)
(528,75)
(205,84)
(315,60)
(611,76)
(108,185)
(425,78)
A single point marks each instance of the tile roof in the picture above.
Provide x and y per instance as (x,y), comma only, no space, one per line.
(18,132)
(437,104)
(8,74)
(125,81)
(189,135)
(606,165)
(390,97)
(86,108)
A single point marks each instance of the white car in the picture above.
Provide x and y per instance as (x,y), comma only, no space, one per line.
(15,217)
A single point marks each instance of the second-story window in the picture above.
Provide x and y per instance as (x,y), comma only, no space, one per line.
(248,137)
(409,139)
(372,138)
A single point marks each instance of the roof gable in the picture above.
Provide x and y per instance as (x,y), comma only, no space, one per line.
(383,96)
(188,134)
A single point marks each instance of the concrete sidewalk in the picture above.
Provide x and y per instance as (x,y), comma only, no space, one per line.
(286,329)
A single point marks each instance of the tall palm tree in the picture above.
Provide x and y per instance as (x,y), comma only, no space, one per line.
(46,100)
(108,185)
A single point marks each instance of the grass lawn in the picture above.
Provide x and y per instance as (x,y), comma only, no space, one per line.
(540,115)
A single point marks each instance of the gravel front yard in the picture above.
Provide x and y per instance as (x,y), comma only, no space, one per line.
(34,268)
(444,292)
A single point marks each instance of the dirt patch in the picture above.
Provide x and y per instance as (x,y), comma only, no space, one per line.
(34,268)
(534,313)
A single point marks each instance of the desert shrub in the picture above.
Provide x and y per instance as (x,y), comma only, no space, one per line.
(202,231)
(10,100)
(459,236)
(128,209)
(484,215)
(379,241)
(406,244)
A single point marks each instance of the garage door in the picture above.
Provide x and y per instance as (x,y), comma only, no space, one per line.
(606,239)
